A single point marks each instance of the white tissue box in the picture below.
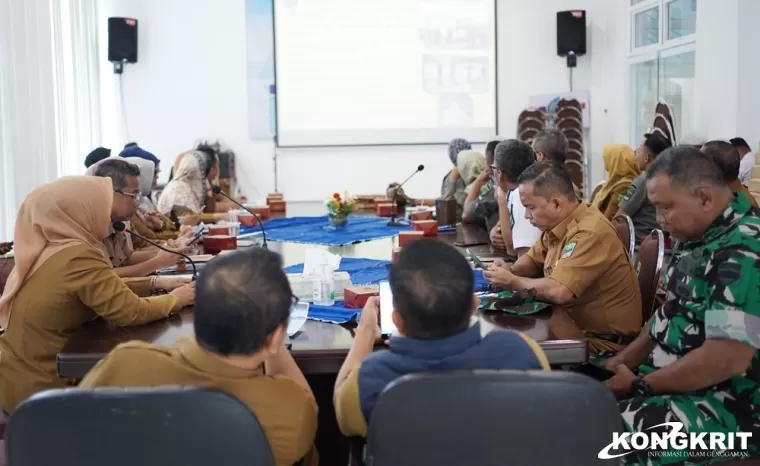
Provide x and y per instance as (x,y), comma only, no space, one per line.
(303,287)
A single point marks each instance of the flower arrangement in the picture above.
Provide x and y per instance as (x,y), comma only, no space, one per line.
(339,208)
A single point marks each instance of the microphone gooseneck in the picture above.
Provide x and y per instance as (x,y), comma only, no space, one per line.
(216,189)
(121,226)
(393,221)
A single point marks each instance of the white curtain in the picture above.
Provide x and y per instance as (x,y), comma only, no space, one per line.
(48,95)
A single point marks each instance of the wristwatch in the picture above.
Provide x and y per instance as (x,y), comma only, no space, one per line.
(640,387)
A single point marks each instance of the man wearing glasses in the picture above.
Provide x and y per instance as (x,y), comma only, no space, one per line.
(126,186)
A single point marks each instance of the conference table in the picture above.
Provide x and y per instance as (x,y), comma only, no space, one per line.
(319,348)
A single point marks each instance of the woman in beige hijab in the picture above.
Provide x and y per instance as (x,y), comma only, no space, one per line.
(63,279)
(469,166)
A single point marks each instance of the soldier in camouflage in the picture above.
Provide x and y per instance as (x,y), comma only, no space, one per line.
(697,361)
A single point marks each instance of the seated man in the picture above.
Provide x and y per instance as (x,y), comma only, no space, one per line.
(480,206)
(242,307)
(726,157)
(578,263)
(697,359)
(126,261)
(511,159)
(635,202)
(433,305)
(552,145)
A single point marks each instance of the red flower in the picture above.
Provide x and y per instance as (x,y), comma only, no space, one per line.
(336,196)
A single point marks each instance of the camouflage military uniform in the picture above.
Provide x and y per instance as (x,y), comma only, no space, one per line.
(713,292)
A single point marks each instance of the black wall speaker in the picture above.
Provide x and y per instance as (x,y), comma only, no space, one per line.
(122,40)
(571,32)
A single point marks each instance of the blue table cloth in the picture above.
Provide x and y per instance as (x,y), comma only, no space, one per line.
(317,230)
(363,272)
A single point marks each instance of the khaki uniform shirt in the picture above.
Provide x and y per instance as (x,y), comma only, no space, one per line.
(71,288)
(119,246)
(584,254)
(286,412)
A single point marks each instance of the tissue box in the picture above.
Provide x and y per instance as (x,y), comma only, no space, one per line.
(214,244)
(247,220)
(446,212)
(355,297)
(218,230)
(384,209)
(428,227)
(261,211)
(405,237)
(423,215)
(394,257)
(303,287)
(276,202)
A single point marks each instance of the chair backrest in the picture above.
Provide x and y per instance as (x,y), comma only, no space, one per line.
(649,263)
(596,190)
(492,418)
(625,231)
(138,426)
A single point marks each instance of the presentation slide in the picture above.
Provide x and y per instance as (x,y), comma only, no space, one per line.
(362,72)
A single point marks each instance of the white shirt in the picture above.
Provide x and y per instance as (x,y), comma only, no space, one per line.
(745,167)
(524,235)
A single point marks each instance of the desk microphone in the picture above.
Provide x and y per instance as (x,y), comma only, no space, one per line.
(216,189)
(394,222)
(121,226)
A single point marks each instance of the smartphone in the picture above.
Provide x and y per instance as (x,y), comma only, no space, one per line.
(197,233)
(475,259)
(387,328)
(595,371)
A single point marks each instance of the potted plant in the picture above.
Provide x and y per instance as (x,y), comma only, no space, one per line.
(338,210)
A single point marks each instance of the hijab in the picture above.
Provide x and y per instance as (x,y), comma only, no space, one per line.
(620,164)
(70,211)
(187,189)
(137,152)
(147,170)
(455,147)
(470,165)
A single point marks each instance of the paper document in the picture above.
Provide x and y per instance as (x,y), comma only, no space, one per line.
(298,315)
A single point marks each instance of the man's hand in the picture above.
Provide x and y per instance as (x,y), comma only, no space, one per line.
(370,321)
(483,177)
(620,383)
(185,294)
(499,264)
(501,196)
(499,276)
(166,259)
(497,241)
(171,283)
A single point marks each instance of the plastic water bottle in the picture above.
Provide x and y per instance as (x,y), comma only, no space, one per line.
(324,286)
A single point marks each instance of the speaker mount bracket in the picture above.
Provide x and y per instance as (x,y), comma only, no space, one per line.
(118,67)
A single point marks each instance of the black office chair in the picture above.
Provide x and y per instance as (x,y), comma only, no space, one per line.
(492,418)
(137,426)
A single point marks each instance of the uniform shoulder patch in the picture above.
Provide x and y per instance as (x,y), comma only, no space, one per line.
(568,250)
(629,193)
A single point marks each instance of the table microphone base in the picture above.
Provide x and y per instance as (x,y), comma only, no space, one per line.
(395,222)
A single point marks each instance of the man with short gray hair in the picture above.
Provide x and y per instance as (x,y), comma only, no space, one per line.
(697,361)
(552,145)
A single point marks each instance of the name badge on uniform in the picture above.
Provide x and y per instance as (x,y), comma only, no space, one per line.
(568,251)
(548,271)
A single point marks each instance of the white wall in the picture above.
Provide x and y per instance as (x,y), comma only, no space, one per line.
(190,83)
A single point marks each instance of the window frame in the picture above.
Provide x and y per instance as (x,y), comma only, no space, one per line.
(663,48)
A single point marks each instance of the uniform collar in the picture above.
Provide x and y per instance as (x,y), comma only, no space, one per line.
(560,230)
(437,349)
(202,360)
(732,214)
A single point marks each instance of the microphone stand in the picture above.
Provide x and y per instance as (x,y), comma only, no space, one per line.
(218,190)
(394,221)
(185,256)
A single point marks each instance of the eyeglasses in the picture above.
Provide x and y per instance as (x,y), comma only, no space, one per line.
(135,197)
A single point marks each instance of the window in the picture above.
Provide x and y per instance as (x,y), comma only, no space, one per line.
(661,61)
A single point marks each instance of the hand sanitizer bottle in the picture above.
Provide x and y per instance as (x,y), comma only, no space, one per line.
(324,285)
